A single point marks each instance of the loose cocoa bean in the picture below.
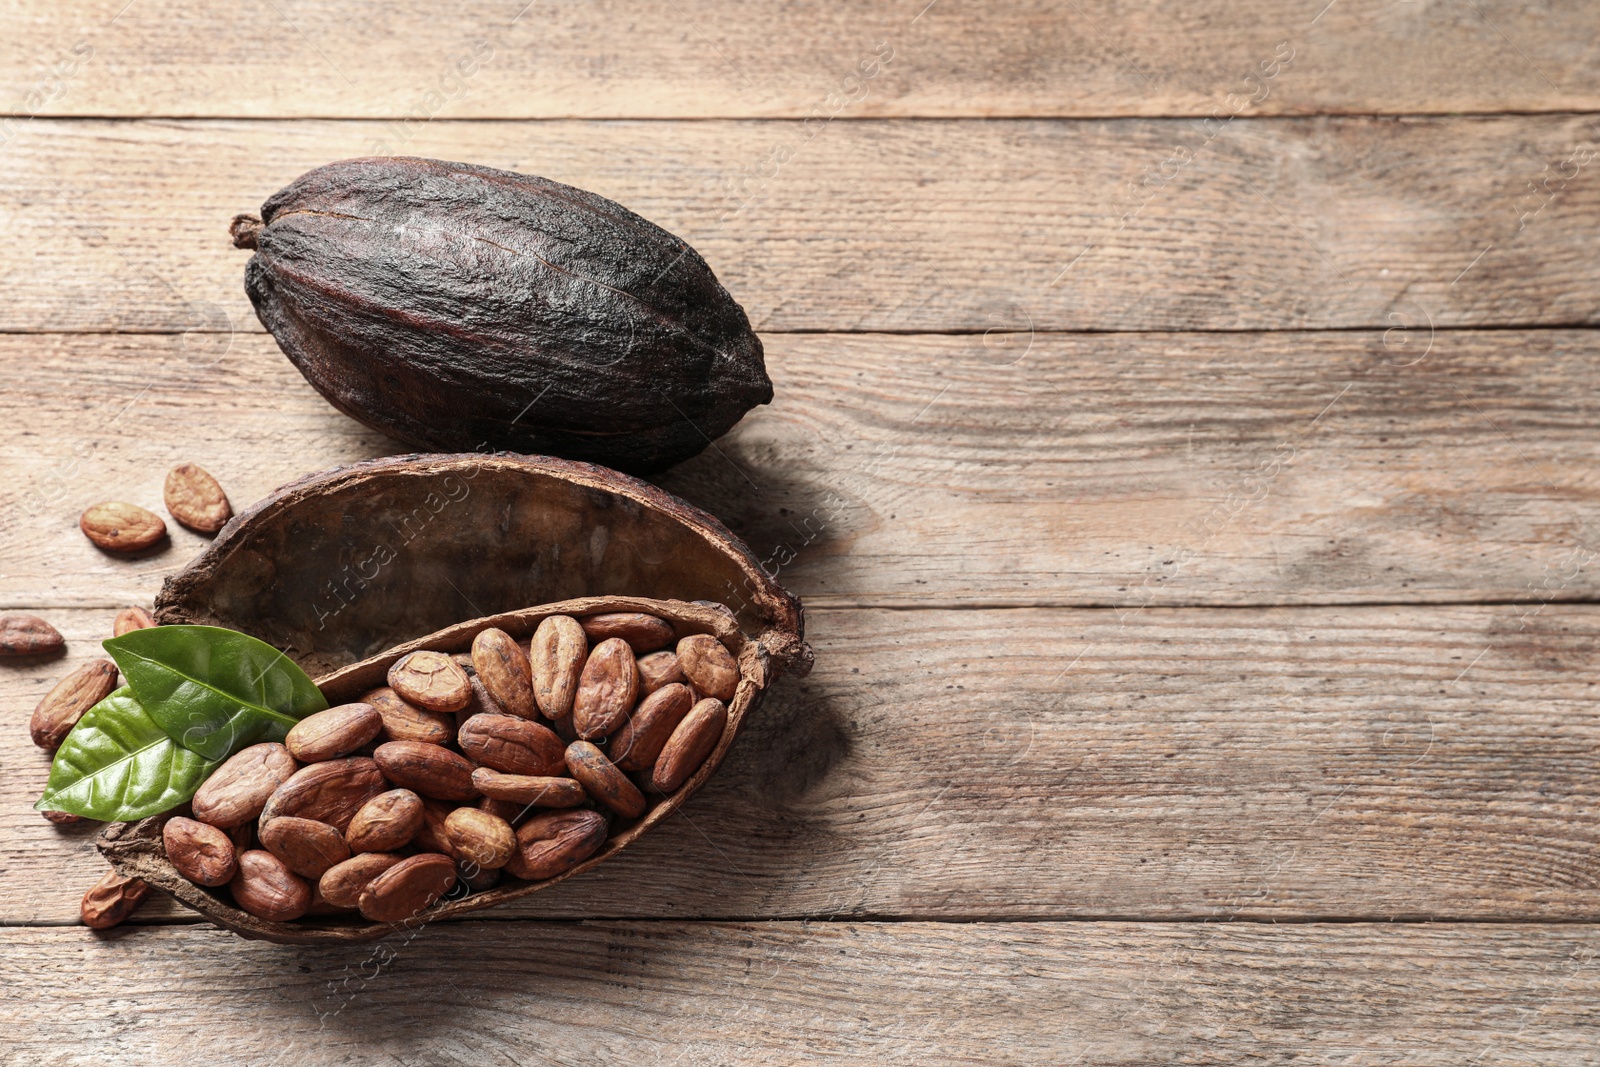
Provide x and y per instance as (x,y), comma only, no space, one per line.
(603,780)
(386,822)
(644,633)
(330,792)
(63,818)
(659,669)
(636,746)
(555,842)
(408,888)
(342,884)
(607,689)
(556,656)
(709,666)
(432,770)
(431,680)
(307,847)
(28,635)
(267,889)
(515,746)
(526,789)
(690,744)
(119,527)
(196,500)
(201,853)
(403,721)
(111,900)
(476,835)
(62,707)
(130,619)
(505,671)
(334,732)
(238,790)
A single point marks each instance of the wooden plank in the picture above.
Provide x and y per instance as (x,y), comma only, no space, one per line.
(991,227)
(721,58)
(1123,470)
(779,993)
(1375,763)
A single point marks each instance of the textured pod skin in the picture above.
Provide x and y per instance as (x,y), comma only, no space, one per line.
(460,308)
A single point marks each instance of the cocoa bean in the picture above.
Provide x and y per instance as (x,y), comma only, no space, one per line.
(690,744)
(636,746)
(196,500)
(603,780)
(607,689)
(130,619)
(509,810)
(644,633)
(430,835)
(555,842)
(505,671)
(403,721)
(515,746)
(28,635)
(432,770)
(63,818)
(307,847)
(659,669)
(709,666)
(267,889)
(408,888)
(556,656)
(321,905)
(201,853)
(330,792)
(111,900)
(62,707)
(238,790)
(119,527)
(475,835)
(525,789)
(334,732)
(477,878)
(342,884)
(386,822)
(431,680)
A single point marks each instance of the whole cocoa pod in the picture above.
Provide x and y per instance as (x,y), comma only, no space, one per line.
(456,307)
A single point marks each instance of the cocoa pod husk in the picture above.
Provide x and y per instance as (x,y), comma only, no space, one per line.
(62,707)
(238,790)
(29,635)
(607,689)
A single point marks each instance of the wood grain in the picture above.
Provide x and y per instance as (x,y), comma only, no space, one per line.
(1123,470)
(1394,763)
(722,58)
(779,993)
(903,225)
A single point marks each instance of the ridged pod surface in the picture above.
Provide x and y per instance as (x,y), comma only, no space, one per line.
(460,308)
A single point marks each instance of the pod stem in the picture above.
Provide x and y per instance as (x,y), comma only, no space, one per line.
(245,229)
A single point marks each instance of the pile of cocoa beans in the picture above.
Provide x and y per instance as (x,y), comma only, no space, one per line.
(463,766)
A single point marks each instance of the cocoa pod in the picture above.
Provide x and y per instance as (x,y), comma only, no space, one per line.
(603,780)
(403,721)
(307,847)
(709,666)
(201,852)
(644,633)
(607,689)
(119,527)
(431,680)
(432,770)
(515,746)
(486,840)
(690,744)
(342,884)
(541,791)
(408,888)
(28,635)
(579,329)
(267,889)
(238,790)
(333,732)
(386,822)
(130,619)
(195,499)
(330,792)
(659,669)
(111,900)
(636,746)
(556,655)
(505,671)
(62,707)
(555,842)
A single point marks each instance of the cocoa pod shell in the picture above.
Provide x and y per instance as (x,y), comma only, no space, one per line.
(62,707)
(455,307)
(28,635)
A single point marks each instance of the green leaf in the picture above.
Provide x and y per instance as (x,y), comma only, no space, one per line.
(118,765)
(214,691)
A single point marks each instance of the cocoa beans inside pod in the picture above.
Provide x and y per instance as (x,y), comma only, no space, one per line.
(386,822)
(659,669)
(607,689)
(404,721)
(690,744)
(267,889)
(238,790)
(330,792)
(201,853)
(481,837)
(432,770)
(333,732)
(342,884)
(505,671)
(555,842)
(515,746)
(306,847)
(603,780)
(29,635)
(557,654)
(641,739)
(408,888)
(62,707)
(580,329)
(709,666)
(527,789)
(644,633)
(431,680)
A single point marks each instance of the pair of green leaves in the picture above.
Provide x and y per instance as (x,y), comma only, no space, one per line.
(195,695)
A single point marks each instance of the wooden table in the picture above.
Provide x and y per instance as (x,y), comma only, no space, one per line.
(1184,444)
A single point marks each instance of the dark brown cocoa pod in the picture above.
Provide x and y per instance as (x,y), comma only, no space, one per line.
(456,307)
